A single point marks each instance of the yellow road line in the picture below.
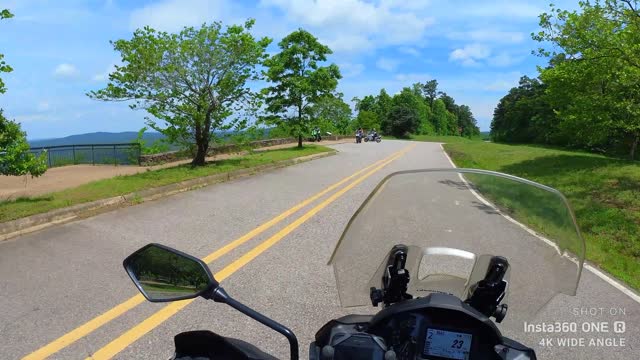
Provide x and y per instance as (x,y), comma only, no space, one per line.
(135,333)
(115,312)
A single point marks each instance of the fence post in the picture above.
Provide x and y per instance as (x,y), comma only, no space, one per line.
(74,154)
(49,157)
(115,160)
(139,153)
(93,161)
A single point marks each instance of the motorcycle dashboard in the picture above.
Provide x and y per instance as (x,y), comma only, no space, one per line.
(443,344)
(438,334)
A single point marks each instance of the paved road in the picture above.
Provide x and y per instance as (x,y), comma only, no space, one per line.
(54,281)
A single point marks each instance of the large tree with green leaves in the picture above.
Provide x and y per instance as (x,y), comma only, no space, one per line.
(430,92)
(298,81)
(524,114)
(403,120)
(15,158)
(407,98)
(332,113)
(193,83)
(440,117)
(367,120)
(384,104)
(596,70)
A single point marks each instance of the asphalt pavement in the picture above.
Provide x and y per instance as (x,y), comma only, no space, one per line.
(65,295)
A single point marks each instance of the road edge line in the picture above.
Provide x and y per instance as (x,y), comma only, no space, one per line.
(599,273)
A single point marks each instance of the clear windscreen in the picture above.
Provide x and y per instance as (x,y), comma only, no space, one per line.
(453,221)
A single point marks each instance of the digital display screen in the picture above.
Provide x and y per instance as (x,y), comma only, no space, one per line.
(447,344)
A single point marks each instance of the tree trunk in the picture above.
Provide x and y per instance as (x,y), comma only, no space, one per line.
(634,146)
(300,141)
(201,153)
(202,145)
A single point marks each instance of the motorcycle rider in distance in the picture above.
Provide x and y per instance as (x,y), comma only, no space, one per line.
(315,134)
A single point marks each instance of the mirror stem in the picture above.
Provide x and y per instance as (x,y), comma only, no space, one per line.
(219,295)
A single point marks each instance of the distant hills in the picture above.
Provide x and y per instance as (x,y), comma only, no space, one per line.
(149,138)
(98,138)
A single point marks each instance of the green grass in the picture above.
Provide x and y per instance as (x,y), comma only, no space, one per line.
(120,185)
(604,193)
(436,138)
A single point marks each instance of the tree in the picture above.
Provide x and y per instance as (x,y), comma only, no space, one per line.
(367,120)
(597,64)
(467,122)
(298,80)
(384,104)
(4,67)
(367,103)
(404,119)
(192,81)
(430,92)
(440,118)
(407,98)
(524,114)
(334,113)
(15,158)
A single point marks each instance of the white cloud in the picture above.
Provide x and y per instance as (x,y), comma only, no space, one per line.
(502,9)
(470,54)
(409,50)
(503,82)
(405,5)
(351,70)
(489,35)
(43,106)
(371,24)
(387,64)
(31,118)
(412,78)
(103,76)
(65,71)
(349,43)
(504,59)
(173,15)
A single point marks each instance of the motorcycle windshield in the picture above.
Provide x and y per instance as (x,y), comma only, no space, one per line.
(453,222)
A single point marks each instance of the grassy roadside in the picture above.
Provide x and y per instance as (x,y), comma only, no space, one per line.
(436,138)
(120,185)
(604,193)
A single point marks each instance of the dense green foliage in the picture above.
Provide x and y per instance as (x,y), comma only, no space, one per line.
(15,158)
(192,81)
(419,109)
(332,114)
(298,82)
(589,94)
(602,190)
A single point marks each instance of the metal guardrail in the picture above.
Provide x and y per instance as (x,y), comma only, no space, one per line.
(107,154)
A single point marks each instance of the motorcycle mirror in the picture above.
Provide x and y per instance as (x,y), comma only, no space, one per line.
(164,274)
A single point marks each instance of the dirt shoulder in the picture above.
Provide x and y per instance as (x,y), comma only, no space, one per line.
(60,178)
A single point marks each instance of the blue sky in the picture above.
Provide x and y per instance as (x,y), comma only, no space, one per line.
(59,50)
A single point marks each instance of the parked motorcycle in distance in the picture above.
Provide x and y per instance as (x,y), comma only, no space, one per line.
(442,288)
(373,137)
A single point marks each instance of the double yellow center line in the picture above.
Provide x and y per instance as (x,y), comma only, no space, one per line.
(166,312)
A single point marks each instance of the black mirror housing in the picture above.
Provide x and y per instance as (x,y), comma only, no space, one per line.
(164,274)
